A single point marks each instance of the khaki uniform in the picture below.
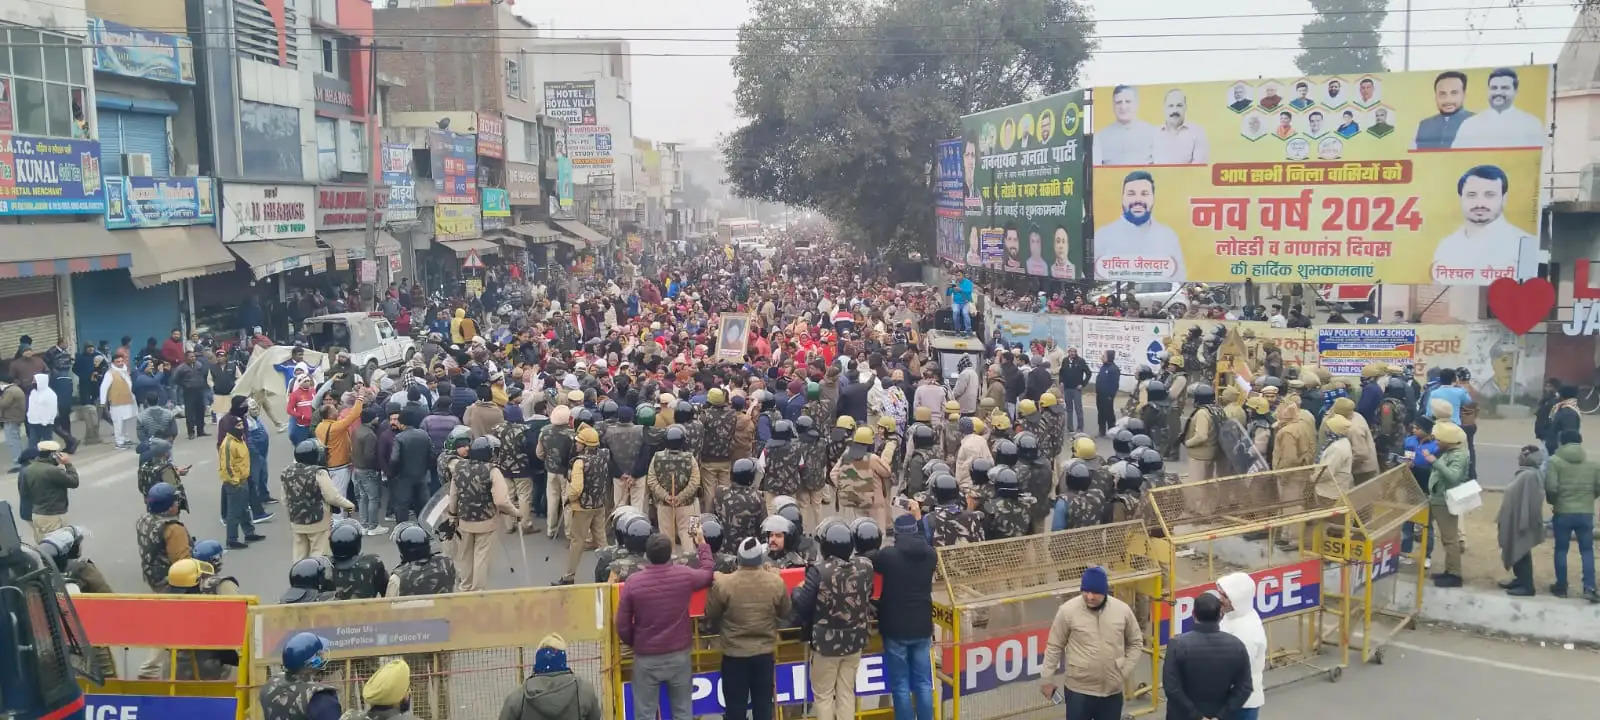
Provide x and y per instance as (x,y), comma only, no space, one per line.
(861,489)
(674,480)
(477,492)
(587,495)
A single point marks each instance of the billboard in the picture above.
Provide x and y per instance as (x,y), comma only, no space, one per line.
(1404,178)
(1344,350)
(457,222)
(139,53)
(397,175)
(50,176)
(1023,170)
(134,202)
(570,102)
(455,167)
(589,146)
(491,135)
(496,202)
(950,205)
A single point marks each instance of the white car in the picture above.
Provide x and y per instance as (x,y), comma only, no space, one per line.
(368,337)
(1149,294)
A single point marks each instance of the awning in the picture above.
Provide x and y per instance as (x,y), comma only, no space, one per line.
(354,243)
(583,231)
(61,248)
(462,247)
(504,237)
(166,254)
(536,233)
(270,257)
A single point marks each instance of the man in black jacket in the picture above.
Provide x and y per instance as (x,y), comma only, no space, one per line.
(1074,375)
(1039,380)
(1016,377)
(1105,391)
(410,461)
(1207,671)
(905,619)
(190,378)
(1564,418)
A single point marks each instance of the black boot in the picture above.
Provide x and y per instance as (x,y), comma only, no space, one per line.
(1447,580)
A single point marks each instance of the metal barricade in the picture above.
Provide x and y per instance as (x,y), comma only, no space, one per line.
(1265,524)
(1371,582)
(198,642)
(992,618)
(467,651)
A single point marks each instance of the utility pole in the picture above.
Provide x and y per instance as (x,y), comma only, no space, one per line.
(1405,58)
(370,290)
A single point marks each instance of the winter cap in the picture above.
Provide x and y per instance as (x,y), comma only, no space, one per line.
(905,525)
(1095,581)
(752,552)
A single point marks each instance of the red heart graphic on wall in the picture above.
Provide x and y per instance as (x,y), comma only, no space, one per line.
(1521,305)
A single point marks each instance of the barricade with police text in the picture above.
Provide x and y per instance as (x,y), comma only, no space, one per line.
(467,651)
(994,602)
(200,634)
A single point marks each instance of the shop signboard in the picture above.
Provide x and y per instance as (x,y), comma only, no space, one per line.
(455,167)
(491,135)
(344,207)
(135,202)
(572,102)
(522,182)
(496,203)
(138,53)
(50,176)
(456,222)
(254,211)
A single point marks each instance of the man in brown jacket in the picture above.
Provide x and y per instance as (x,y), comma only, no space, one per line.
(1100,639)
(1293,444)
(747,607)
(1364,462)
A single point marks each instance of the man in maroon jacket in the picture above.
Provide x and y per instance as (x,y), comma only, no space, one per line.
(653,618)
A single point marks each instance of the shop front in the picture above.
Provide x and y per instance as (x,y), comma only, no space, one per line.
(271,229)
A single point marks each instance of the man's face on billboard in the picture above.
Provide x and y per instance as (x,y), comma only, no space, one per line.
(1138,198)
(1482,200)
(1125,105)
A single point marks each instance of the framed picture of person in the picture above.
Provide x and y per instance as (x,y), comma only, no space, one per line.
(733,337)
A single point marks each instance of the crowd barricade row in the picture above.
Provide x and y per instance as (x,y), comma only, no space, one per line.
(204,640)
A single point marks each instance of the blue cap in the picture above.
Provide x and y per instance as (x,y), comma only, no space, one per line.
(1094,580)
(905,525)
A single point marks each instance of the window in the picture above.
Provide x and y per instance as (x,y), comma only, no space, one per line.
(330,57)
(530,141)
(42,76)
(257,35)
(327,149)
(514,78)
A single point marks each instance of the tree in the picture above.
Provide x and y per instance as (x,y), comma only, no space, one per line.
(1343,38)
(843,101)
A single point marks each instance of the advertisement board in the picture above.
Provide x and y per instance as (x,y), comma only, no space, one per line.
(522,182)
(589,146)
(456,222)
(496,203)
(1022,168)
(133,202)
(135,52)
(491,135)
(345,207)
(1136,342)
(333,96)
(402,184)
(1404,178)
(50,176)
(1280,591)
(455,166)
(571,102)
(267,212)
(1345,350)
(949,206)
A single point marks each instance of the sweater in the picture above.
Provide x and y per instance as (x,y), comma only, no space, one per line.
(652,614)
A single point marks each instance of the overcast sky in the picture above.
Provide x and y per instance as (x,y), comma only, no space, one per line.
(690,99)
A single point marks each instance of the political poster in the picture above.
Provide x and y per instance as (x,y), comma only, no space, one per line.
(1404,178)
(1022,168)
(159,202)
(455,167)
(1346,349)
(402,185)
(50,176)
(950,204)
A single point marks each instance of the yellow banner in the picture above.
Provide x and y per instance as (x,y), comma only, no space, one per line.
(456,222)
(1405,178)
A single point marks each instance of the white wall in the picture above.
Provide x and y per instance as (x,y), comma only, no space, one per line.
(613,94)
(64,16)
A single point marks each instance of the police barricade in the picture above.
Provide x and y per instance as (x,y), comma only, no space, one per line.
(1367,556)
(792,687)
(467,651)
(201,642)
(992,618)
(1265,524)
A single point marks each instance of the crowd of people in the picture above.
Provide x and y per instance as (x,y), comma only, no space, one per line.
(621,412)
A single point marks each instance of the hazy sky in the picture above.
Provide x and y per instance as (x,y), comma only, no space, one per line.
(690,99)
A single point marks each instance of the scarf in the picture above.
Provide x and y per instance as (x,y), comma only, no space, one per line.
(1573,403)
(549,660)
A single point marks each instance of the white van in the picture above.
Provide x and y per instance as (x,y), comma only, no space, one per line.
(368,337)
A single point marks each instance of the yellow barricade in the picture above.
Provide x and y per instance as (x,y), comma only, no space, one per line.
(467,651)
(993,615)
(192,645)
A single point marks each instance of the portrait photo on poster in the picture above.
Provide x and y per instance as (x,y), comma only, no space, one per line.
(733,338)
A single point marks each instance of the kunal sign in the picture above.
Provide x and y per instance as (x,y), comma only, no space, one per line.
(456,222)
(1022,169)
(1407,178)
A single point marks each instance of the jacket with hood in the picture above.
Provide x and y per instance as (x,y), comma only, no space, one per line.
(42,408)
(553,696)
(1244,623)
(1574,481)
(13,403)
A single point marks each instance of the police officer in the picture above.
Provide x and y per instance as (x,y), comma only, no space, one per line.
(840,437)
(210,552)
(157,467)
(162,538)
(1200,434)
(715,535)
(1154,469)
(604,556)
(624,440)
(951,521)
(310,580)
(868,536)
(784,458)
(556,445)
(511,456)
(860,480)
(1037,480)
(1007,514)
(63,548)
(694,432)
(308,492)
(814,468)
(296,694)
(477,493)
(816,408)
(1394,419)
(355,575)
(1129,500)
(1121,445)
(587,494)
(716,448)
(740,504)
(912,481)
(833,609)
(635,533)
(1079,502)
(778,531)
(1030,419)
(674,480)
(1161,420)
(767,421)
(421,571)
(785,507)
(193,577)
(1054,434)
(978,474)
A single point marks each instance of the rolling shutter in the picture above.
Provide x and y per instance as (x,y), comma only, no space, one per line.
(134,132)
(28,306)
